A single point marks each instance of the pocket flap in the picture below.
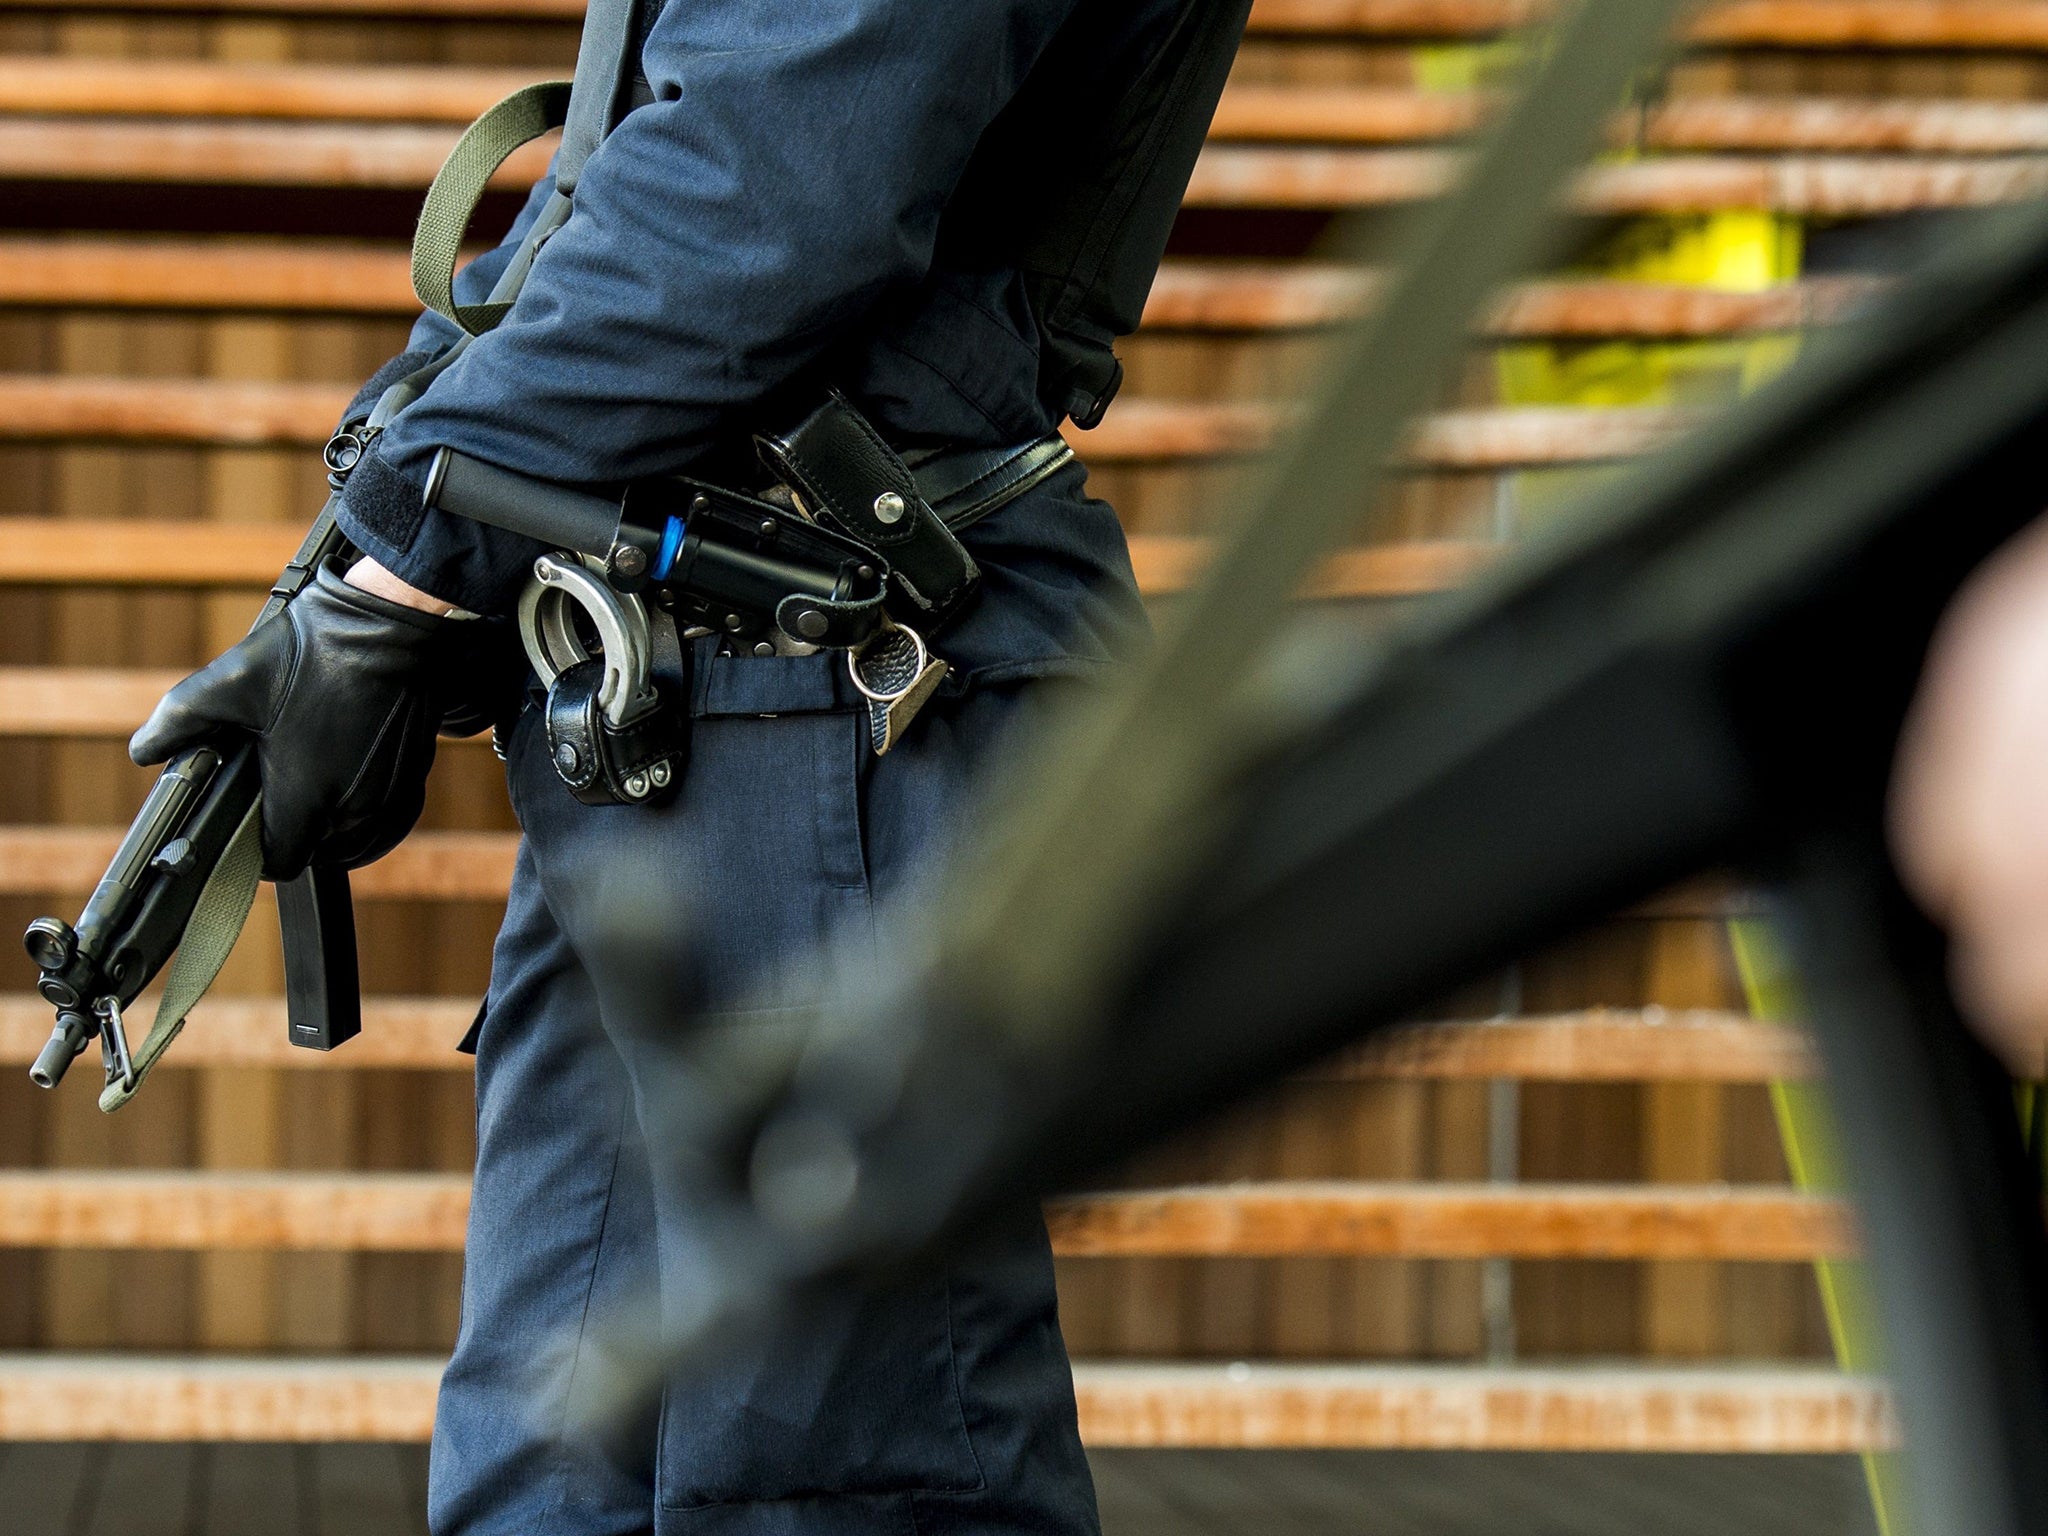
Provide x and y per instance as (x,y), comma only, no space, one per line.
(772,685)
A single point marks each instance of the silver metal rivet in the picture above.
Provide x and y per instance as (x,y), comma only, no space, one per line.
(889,508)
(764,647)
(660,773)
(629,560)
(636,786)
(566,755)
(811,624)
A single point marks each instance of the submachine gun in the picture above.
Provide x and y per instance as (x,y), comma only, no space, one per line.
(138,914)
(753,570)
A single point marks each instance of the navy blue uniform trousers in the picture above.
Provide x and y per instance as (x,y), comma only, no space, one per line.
(945,1406)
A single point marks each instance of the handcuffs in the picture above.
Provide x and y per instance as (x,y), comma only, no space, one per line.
(613,735)
(613,738)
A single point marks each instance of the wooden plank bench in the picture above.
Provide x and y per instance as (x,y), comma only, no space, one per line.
(1391,1407)
(1597,1045)
(423,1212)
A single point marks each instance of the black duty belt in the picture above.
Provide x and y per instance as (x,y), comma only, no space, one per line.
(856,548)
(875,534)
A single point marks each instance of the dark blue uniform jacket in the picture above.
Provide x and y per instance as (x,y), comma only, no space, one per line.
(788,212)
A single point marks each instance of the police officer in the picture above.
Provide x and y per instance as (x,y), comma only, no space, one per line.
(833,193)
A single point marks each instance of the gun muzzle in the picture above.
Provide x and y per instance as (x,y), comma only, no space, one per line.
(67,1041)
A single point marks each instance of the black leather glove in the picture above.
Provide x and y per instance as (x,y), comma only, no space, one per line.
(341,692)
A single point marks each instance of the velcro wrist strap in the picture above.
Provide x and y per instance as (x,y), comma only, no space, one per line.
(855,482)
(451,201)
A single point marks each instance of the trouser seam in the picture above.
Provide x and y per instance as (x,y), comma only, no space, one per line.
(561,1494)
(959,1397)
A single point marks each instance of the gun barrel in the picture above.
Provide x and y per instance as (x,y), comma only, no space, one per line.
(74,1030)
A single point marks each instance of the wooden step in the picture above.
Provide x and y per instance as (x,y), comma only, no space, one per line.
(1591,1045)
(211,411)
(1695,124)
(1511,1408)
(77,1208)
(367,156)
(438,93)
(429,10)
(88,701)
(363,150)
(260,275)
(1783,1410)
(1478,441)
(1227,176)
(135,552)
(398,1032)
(303,277)
(1806,186)
(1839,125)
(1599,1045)
(1529,437)
(1911,24)
(39,85)
(1334,1218)
(141,1397)
(1169,563)
(79,701)
(1247,296)
(1990,25)
(477,866)
(1805,24)
(428,866)
(1649,311)
(49,407)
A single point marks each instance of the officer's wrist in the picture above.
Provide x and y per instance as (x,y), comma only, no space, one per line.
(371,577)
